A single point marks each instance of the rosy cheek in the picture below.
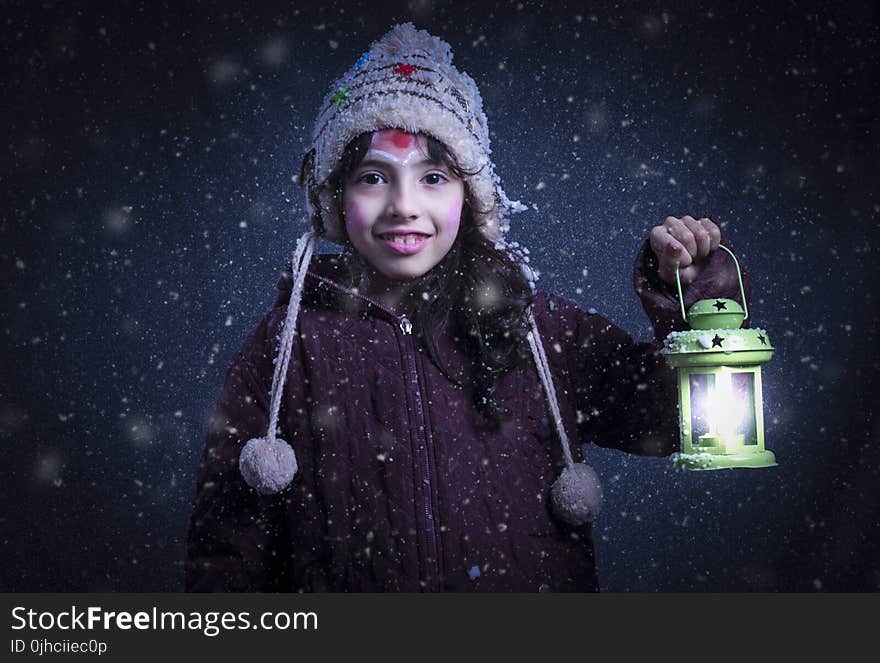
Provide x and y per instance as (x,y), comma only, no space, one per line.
(453,216)
(354,217)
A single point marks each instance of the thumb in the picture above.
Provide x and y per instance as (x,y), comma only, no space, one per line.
(670,260)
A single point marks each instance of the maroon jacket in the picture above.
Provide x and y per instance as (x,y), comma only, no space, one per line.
(401,484)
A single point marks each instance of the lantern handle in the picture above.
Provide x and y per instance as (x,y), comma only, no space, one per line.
(738,276)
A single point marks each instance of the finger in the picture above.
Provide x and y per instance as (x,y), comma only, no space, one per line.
(669,251)
(682,233)
(679,254)
(702,240)
(660,241)
(714,233)
(670,254)
(658,238)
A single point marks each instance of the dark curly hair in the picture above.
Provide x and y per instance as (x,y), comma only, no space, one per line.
(478,287)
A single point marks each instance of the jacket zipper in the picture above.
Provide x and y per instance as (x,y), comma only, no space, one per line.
(405,325)
(424,462)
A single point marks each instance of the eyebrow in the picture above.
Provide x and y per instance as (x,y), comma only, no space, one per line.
(366,163)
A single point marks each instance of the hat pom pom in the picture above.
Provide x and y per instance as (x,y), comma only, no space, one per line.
(577,495)
(267,465)
(405,39)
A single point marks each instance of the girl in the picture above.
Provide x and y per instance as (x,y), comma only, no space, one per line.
(399,419)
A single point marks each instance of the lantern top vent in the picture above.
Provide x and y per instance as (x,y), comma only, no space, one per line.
(719,313)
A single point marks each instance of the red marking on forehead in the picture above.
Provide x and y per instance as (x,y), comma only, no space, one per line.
(393,140)
(403,140)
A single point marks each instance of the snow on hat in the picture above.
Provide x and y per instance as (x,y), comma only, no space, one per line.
(407,81)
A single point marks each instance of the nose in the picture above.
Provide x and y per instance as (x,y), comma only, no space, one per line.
(403,201)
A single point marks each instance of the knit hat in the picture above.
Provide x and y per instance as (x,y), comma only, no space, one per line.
(407,81)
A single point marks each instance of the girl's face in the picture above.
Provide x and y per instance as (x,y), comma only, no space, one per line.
(402,210)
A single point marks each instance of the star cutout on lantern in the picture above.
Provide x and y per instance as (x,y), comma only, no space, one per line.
(719,305)
(716,342)
(762,339)
(404,69)
(340,96)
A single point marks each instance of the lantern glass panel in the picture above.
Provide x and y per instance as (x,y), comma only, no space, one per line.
(701,385)
(722,408)
(743,384)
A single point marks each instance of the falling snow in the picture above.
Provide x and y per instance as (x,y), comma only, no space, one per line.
(153,199)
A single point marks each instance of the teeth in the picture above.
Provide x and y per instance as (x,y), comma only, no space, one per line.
(406,240)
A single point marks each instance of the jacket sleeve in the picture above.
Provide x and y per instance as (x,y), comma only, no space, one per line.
(235,540)
(625,393)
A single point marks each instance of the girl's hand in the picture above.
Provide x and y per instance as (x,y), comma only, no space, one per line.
(686,243)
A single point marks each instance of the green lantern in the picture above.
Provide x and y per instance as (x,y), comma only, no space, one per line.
(720,402)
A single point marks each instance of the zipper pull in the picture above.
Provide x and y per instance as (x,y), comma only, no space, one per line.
(405,325)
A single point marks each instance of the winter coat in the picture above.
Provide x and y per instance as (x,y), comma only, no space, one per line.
(402,485)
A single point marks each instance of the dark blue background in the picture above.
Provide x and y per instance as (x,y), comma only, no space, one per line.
(149,204)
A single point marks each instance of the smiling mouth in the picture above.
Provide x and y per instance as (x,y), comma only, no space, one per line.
(404,244)
(406,239)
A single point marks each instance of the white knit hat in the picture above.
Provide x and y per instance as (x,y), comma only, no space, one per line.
(407,81)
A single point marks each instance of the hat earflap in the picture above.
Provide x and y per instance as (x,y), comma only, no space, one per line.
(268,464)
(576,496)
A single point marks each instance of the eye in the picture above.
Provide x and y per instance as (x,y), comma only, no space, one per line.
(435,178)
(370,179)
